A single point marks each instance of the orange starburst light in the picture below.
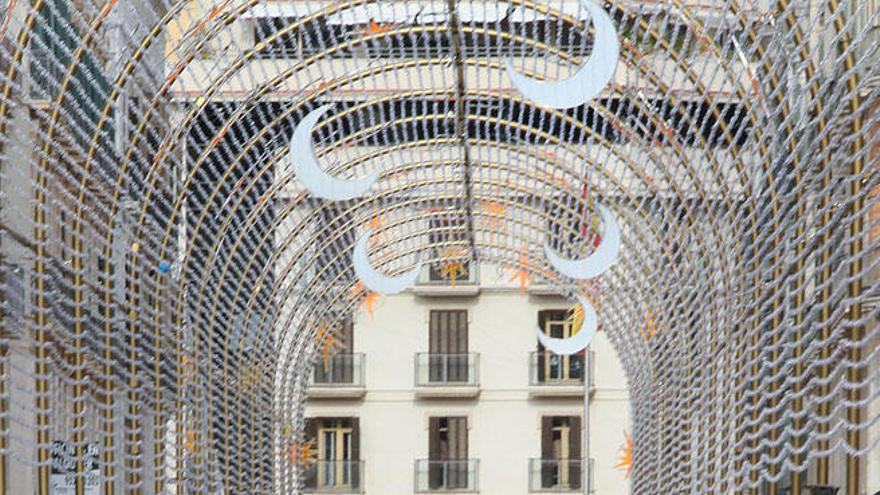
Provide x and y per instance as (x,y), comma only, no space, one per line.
(366,298)
(522,273)
(376,28)
(495,214)
(626,456)
(328,342)
(451,266)
(304,453)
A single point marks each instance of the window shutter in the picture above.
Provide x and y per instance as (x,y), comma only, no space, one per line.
(355,453)
(546,437)
(311,430)
(434,438)
(343,358)
(355,439)
(574,450)
(311,433)
(547,467)
(434,333)
(462,333)
(542,358)
(457,476)
(458,365)
(458,432)
(435,467)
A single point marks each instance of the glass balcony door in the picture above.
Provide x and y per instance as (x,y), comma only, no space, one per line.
(554,368)
(448,452)
(335,446)
(560,452)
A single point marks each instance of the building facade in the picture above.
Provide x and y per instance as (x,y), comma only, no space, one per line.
(447,389)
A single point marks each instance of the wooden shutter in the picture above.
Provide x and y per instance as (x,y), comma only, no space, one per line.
(355,439)
(434,438)
(311,429)
(347,334)
(574,450)
(435,468)
(458,438)
(448,334)
(457,476)
(311,433)
(355,452)
(542,357)
(344,359)
(547,454)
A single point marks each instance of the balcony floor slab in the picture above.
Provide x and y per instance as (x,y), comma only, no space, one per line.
(441,392)
(336,392)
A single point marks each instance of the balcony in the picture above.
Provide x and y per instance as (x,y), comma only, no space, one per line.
(558,475)
(341,378)
(446,476)
(552,375)
(447,375)
(334,477)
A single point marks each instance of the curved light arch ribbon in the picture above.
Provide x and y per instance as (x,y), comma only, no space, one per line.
(595,264)
(586,82)
(577,342)
(309,172)
(375,281)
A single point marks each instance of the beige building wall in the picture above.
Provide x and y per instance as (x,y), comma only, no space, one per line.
(504,420)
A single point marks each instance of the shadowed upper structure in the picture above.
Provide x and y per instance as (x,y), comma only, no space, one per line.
(168,281)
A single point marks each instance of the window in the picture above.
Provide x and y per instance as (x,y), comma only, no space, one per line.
(553,367)
(568,223)
(448,233)
(333,243)
(560,452)
(337,465)
(339,368)
(448,346)
(448,453)
(480,39)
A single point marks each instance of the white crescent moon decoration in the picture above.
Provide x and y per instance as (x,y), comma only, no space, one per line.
(375,281)
(309,172)
(578,341)
(589,80)
(595,264)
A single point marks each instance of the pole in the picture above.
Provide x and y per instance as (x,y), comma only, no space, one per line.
(587,377)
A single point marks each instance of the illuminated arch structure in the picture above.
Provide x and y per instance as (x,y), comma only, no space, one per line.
(166,279)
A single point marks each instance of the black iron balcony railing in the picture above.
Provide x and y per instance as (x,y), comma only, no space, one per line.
(461,475)
(548,369)
(557,475)
(433,369)
(334,477)
(339,370)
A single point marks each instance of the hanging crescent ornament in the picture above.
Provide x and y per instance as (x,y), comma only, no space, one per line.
(589,80)
(374,280)
(578,341)
(309,172)
(597,263)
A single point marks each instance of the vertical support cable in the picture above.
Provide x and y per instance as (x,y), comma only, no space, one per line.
(107,402)
(461,120)
(133,449)
(79,361)
(41,353)
(158,413)
(4,403)
(855,331)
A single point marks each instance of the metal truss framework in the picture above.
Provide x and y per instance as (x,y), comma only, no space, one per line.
(168,285)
